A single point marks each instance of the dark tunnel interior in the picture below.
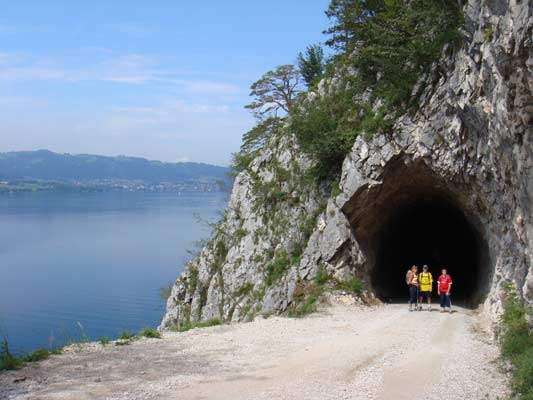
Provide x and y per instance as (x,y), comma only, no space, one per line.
(436,233)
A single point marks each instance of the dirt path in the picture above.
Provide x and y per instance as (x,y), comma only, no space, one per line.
(344,352)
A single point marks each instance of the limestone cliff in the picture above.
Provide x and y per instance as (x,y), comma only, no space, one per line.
(468,149)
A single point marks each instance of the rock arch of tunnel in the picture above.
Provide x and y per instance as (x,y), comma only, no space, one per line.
(414,218)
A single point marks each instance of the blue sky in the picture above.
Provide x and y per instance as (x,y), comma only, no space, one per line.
(165,80)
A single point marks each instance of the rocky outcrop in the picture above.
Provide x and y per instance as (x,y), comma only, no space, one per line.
(469,144)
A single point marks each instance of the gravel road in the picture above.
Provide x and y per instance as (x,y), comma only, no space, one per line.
(342,352)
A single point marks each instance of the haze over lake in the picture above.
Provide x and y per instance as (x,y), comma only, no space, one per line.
(96,259)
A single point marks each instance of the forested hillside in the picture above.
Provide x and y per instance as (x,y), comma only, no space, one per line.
(49,166)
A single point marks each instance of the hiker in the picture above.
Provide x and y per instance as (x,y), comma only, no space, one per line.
(425,279)
(412,282)
(444,286)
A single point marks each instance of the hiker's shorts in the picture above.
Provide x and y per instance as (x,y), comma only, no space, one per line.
(412,294)
(445,300)
(425,295)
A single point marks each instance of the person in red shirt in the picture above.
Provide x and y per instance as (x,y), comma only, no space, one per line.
(444,286)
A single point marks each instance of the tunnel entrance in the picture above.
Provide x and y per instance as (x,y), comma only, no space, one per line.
(414,217)
(432,232)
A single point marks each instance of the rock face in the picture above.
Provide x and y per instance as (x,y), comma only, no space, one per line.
(467,148)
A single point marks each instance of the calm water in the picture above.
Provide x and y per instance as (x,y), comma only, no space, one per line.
(97,260)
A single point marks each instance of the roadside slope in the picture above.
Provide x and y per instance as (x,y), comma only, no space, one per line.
(344,352)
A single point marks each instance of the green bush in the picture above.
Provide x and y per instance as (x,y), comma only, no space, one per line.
(354,286)
(245,289)
(326,129)
(7,360)
(305,299)
(37,355)
(517,343)
(150,333)
(241,160)
(103,341)
(126,335)
(193,278)
(277,268)
(321,277)
(202,324)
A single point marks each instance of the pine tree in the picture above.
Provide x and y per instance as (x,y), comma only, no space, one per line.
(276,90)
(348,18)
(311,63)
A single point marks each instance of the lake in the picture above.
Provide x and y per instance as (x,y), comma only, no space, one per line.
(91,265)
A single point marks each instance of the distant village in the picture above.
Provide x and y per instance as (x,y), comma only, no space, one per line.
(104,185)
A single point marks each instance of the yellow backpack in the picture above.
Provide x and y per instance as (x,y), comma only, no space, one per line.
(425,278)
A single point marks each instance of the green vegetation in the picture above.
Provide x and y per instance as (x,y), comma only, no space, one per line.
(305,299)
(244,290)
(103,341)
(10,361)
(307,294)
(203,324)
(352,285)
(277,268)
(488,33)
(57,170)
(311,64)
(126,335)
(276,90)
(382,53)
(517,343)
(37,355)
(382,50)
(150,333)
(7,360)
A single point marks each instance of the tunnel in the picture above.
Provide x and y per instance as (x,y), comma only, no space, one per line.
(416,218)
(428,231)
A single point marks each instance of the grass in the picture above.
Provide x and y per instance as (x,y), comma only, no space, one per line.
(150,333)
(517,343)
(9,361)
(126,335)
(202,324)
(37,355)
(307,294)
(352,285)
(103,341)
(277,268)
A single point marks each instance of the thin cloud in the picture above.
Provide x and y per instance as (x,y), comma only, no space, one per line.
(133,69)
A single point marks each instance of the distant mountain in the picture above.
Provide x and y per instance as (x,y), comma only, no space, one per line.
(44,165)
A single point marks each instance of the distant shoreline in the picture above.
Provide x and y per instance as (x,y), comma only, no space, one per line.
(34,186)
(43,170)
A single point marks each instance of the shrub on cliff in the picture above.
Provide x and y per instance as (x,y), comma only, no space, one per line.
(517,343)
(382,49)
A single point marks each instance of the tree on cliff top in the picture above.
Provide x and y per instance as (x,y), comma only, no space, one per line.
(311,63)
(276,90)
(348,17)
